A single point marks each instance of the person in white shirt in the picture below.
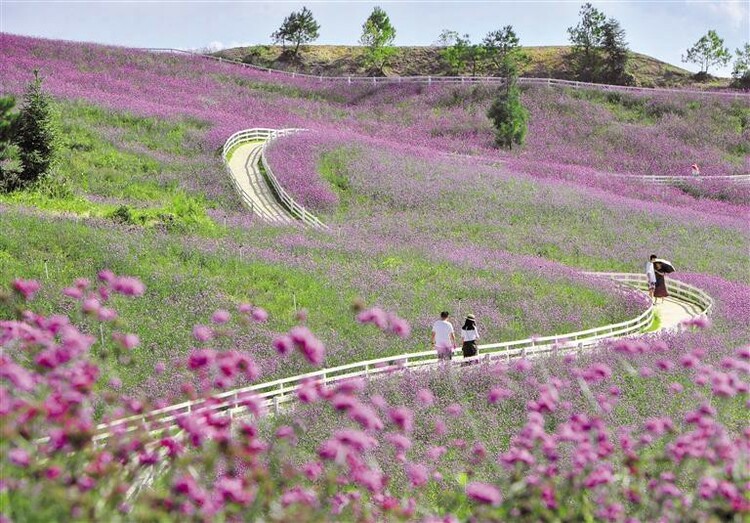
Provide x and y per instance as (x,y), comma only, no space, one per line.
(651,276)
(443,337)
(470,335)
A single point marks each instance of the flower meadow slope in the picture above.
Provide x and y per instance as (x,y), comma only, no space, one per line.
(636,134)
(638,431)
(564,437)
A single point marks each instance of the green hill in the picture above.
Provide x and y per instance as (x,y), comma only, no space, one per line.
(546,62)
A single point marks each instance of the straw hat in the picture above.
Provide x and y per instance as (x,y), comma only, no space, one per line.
(470,317)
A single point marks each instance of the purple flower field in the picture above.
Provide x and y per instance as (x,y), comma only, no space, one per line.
(424,215)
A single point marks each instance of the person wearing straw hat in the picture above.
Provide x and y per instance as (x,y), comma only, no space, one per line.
(470,335)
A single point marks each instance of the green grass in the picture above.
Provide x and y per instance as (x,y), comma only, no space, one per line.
(108,161)
(187,280)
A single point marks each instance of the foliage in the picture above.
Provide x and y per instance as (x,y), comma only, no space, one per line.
(9,165)
(599,51)
(586,39)
(460,53)
(503,51)
(741,69)
(297,28)
(35,134)
(378,35)
(567,438)
(615,51)
(510,117)
(708,51)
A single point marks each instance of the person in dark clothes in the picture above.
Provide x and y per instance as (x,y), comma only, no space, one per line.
(470,335)
(660,291)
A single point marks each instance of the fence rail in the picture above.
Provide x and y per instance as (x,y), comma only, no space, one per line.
(267,135)
(277,392)
(550,82)
(741,179)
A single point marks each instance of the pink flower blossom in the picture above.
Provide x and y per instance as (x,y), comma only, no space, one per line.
(128,286)
(403,418)
(27,288)
(417,474)
(259,315)
(202,333)
(220,316)
(425,397)
(19,457)
(484,493)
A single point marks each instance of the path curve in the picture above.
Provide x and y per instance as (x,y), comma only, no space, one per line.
(685,302)
(245,161)
(244,168)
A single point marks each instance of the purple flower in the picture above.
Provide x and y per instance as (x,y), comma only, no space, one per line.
(484,493)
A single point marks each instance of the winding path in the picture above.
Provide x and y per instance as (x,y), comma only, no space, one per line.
(244,167)
(242,161)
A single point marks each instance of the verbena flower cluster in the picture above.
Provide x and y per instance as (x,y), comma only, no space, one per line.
(528,440)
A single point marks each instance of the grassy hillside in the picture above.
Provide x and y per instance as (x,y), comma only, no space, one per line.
(415,230)
(546,62)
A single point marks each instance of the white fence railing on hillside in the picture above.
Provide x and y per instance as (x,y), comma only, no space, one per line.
(741,179)
(550,82)
(282,390)
(267,135)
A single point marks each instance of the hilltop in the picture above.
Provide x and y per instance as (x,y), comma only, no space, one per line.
(545,62)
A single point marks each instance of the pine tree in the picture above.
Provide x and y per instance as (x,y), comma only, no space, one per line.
(503,51)
(378,35)
(509,117)
(615,50)
(35,133)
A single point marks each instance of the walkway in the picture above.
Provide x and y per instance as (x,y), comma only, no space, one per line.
(244,167)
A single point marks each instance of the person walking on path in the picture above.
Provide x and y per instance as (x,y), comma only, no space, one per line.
(695,170)
(660,289)
(469,335)
(443,337)
(651,276)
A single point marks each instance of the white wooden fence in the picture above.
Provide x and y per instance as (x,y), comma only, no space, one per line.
(267,135)
(277,392)
(740,179)
(456,79)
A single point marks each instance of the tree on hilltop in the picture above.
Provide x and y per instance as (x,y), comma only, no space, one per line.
(459,52)
(615,50)
(741,70)
(378,35)
(708,52)
(503,51)
(586,38)
(297,28)
(35,134)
